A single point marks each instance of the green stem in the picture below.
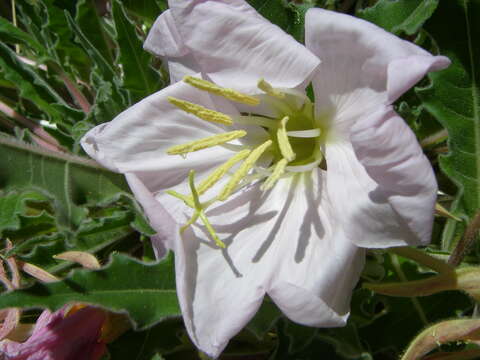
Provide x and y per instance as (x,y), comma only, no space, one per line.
(403,278)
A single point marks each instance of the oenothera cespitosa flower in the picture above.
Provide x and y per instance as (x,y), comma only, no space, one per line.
(257,188)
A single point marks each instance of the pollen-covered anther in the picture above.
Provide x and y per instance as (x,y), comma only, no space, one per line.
(201,112)
(278,171)
(220,171)
(229,94)
(242,171)
(283,142)
(206,142)
(267,88)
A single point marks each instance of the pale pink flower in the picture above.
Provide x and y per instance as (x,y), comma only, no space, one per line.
(56,337)
(331,178)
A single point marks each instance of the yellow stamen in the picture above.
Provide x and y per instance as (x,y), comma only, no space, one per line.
(277,173)
(218,90)
(243,170)
(199,211)
(218,173)
(201,112)
(283,143)
(206,142)
(267,88)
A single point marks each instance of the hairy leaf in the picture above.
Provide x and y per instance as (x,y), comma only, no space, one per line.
(454,95)
(146,292)
(138,77)
(399,16)
(71,181)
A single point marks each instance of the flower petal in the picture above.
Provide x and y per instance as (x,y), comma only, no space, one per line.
(362,65)
(392,157)
(319,265)
(381,184)
(137,140)
(233,44)
(165,41)
(281,242)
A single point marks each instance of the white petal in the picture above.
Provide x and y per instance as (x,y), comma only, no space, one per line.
(362,65)
(396,207)
(318,266)
(165,41)
(391,155)
(160,220)
(136,141)
(283,242)
(234,45)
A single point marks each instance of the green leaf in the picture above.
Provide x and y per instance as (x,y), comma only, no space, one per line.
(146,292)
(108,73)
(138,77)
(454,95)
(71,181)
(34,88)
(290,16)
(14,205)
(148,10)
(143,345)
(93,28)
(400,16)
(13,35)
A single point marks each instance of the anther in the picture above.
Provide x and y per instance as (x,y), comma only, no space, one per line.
(201,112)
(275,176)
(248,163)
(229,94)
(283,143)
(205,142)
(267,88)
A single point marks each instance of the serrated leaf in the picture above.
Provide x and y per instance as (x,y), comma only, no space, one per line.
(454,95)
(13,205)
(146,292)
(108,73)
(72,182)
(34,88)
(147,10)
(138,77)
(13,35)
(91,24)
(400,16)
(290,16)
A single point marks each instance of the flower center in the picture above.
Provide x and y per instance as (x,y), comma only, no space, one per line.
(293,145)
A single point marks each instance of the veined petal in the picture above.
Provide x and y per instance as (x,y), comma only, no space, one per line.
(392,157)
(233,44)
(282,242)
(165,41)
(368,216)
(317,265)
(362,66)
(137,140)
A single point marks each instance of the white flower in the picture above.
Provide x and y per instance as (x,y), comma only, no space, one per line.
(298,189)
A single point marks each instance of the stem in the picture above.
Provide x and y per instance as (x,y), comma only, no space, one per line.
(434,138)
(44,138)
(401,275)
(423,259)
(76,93)
(465,243)
(14,21)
